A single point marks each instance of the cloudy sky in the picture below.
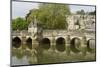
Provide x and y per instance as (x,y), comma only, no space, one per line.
(20,9)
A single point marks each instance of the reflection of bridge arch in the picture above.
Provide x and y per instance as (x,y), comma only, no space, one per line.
(75,44)
(29,43)
(60,44)
(45,43)
(91,44)
(16,42)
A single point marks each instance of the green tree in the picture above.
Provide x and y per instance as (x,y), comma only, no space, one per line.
(30,16)
(51,16)
(82,12)
(92,13)
(19,24)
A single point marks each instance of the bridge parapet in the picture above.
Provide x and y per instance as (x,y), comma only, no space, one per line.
(15,33)
(67,32)
(21,33)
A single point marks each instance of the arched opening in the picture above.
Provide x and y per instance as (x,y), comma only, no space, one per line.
(16,42)
(75,44)
(45,43)
(91,44)
(29,43)
(60,44)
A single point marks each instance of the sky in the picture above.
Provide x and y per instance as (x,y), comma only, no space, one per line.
(20,9)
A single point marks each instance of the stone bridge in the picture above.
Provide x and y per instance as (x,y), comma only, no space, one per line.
(80,34)
(58,40)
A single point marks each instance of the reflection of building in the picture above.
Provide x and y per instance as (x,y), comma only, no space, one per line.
(52,38)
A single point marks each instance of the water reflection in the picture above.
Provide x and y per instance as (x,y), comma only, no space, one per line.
(25,56)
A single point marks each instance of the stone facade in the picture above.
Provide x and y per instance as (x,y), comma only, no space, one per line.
(80,22)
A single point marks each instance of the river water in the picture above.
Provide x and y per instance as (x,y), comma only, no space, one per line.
(26,56)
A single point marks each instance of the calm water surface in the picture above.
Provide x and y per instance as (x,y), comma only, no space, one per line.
(26,56)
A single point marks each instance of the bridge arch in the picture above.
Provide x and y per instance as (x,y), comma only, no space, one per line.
(29,43)
(75,44)
(91,44)
(45,43)
(16,42)
(60,44)
(27,37)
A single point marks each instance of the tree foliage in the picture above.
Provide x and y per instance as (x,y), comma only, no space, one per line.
(92,13)
(30,16)
(19,24)
(51,16)
(81,12)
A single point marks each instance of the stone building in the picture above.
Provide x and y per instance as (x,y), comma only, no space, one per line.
(80,22)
